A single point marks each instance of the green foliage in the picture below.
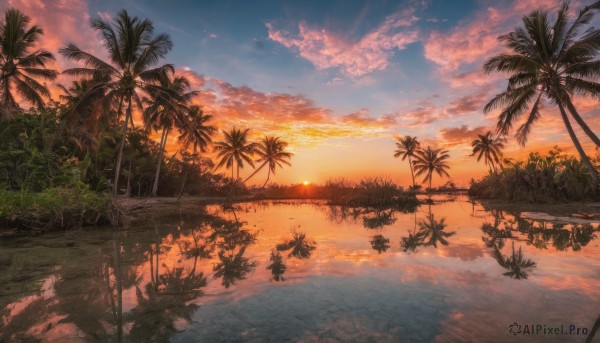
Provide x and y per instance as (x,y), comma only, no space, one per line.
(553,177)
(53,208)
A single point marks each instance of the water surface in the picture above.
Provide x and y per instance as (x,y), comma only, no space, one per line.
(292,271)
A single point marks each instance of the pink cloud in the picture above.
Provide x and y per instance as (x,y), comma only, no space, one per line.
(472,42)
(461,135)
(325,49)
(63,22)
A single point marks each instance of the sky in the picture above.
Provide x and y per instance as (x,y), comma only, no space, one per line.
(338,80)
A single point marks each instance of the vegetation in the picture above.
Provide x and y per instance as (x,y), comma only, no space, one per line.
(406,147)
(431,160)
(549,61)
(550,178)
(489,148)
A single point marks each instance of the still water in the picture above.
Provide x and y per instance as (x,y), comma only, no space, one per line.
(292,271)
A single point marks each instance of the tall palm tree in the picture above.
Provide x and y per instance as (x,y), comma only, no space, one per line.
(489,148)
(271,151)
(548,59)
(164,111)
(195,130)
(406,147)
(235,149)
(133,52)
(19,66)
(430,160)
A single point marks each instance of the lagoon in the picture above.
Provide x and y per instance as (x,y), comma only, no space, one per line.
(452,271)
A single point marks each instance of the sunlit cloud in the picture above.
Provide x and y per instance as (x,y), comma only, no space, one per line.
(327,49)
(461,135)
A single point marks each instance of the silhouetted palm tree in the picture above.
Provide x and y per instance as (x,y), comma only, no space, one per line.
(548,59)
(133,50)
(19,67)
(406,147)
(271,151)
(489,148)
(430,160)
(164,112)
(235,149)
(195,130)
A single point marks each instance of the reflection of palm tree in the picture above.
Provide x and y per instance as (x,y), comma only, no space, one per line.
(380,243)
(434,231)
(406,148)
(157,310)
(277,266)
(271,152)
(380,219)
(18,66)
(235,149)
(232,266)
(414,239)
(430,160)
(300,247)
(488,148)
(517,265)
(548,60)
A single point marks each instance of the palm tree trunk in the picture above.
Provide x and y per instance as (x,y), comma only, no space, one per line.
(238,172)
(430,178)
(412,173)
(255,171)
(120,156)
(583,156)
(163,142)
(582,123)
(268,176)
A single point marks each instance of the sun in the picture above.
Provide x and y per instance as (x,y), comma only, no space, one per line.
(306,183)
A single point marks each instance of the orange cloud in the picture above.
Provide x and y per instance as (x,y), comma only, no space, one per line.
(371,52)
(461,135)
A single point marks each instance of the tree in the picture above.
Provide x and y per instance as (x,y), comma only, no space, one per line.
(488,148)
(549,60)
(19,67)
(271,151)
(406,148)
(235,149)
(164,111)
(133,51)
(430,160)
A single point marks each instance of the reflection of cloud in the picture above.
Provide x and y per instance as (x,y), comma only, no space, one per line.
(371,52)
(466,252)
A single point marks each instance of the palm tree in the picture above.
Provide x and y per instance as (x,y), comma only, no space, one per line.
(235,149)
(164,111)
(548,59)
(430,160)
(406,147)
(271,151)
(133,51)
(488,148)
(19,67)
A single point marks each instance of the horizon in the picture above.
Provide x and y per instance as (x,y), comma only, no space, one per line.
(337,81)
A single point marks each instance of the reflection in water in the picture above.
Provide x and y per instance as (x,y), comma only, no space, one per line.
(148,284)
(277,266)
(300,247)
(380,243)
(517,265)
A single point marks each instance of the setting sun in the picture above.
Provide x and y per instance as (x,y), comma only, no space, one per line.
(306,183)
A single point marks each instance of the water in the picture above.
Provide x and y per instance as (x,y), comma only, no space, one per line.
(334,275)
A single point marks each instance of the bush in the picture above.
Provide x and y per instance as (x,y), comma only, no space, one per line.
(554,177)
(53,208)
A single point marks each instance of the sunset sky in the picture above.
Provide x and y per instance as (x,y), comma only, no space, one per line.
(338,80)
